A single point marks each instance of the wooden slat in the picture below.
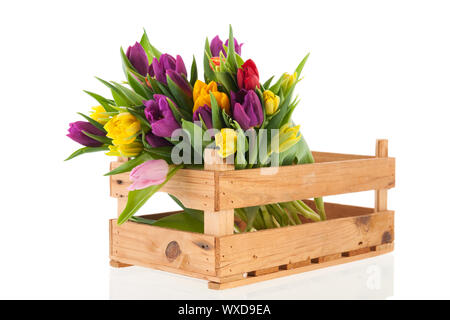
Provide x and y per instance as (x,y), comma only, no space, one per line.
(217,222)
(195,188)
(251,251)
(243,188)
(288,272)
(381,194)
(142,245)
(329,156)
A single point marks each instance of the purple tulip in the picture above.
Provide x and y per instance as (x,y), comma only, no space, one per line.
(246,109)
(206,114)
(138,58)
(160,116)
(216,46)
(166,62)
(181,82)
(76,133)
(156,141)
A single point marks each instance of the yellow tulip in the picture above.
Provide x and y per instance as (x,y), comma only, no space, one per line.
(288,81)
(100,115)
(287,137)
(201,95)
(125,150)
(226,140)
(271,102)
(123,128)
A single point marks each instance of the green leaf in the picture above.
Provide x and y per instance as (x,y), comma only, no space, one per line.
(215,111)
(209,73)
(251,213)
(137,198)
(231,58)
(301,65)
(130,164)
(136,99)
(138,87)
(227,80)
(178,202)
(143,121)
(241,149)
(268,82)
(151,51)
(161,153)
(175,111)
(96,124)
(102,139)
(120,99)
(196,134)
(87,150)
(194,73)
(105,103)
(183,101)
(184,221)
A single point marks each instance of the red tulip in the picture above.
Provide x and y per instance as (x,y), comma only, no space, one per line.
(248,76)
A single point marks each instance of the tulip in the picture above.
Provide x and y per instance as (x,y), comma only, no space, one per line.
(100,115)
(156,141)
(123,128)
(149,173)
(201,96)
(271,102)
(247,109)
(166,62)
(248,76)
(125,150)
(181,82)
(226,140)
(206,114)
(288,81)
(216,47)
(138,58)
(160,116)
(76,133)
(287,137)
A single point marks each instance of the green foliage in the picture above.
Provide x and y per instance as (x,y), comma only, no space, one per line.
(87,150)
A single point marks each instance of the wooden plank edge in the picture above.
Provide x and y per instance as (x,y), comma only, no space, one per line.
(379,250)
(167,269)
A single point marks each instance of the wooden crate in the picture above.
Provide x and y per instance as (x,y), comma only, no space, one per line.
(228,260)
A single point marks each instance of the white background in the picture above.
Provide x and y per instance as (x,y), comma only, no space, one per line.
(378,69)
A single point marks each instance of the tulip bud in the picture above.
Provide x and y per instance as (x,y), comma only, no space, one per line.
(100,115)
(76,133)
(288,81)
(150,173)
(138,58)
(271,102)
(123,128)
(226,140)
(125,150)
(287,137)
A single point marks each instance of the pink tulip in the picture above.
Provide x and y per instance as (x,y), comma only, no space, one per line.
(150,173)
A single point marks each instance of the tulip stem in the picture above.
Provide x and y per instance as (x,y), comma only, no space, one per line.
(306,211)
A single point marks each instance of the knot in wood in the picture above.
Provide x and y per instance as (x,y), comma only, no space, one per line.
(172,251)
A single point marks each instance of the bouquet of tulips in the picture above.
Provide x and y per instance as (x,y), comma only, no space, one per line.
(162,120)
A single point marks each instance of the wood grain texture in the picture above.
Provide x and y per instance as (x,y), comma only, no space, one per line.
(269,248)
(195,188)
(217,222)
(330,157)
(287,272)
(381,151)
(142,245)
(243,188)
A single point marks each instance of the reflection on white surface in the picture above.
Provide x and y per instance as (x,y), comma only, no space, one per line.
(366,279)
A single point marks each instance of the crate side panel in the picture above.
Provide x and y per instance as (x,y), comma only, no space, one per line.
(264,249)
(141,244)
(195,188)
(243,188)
